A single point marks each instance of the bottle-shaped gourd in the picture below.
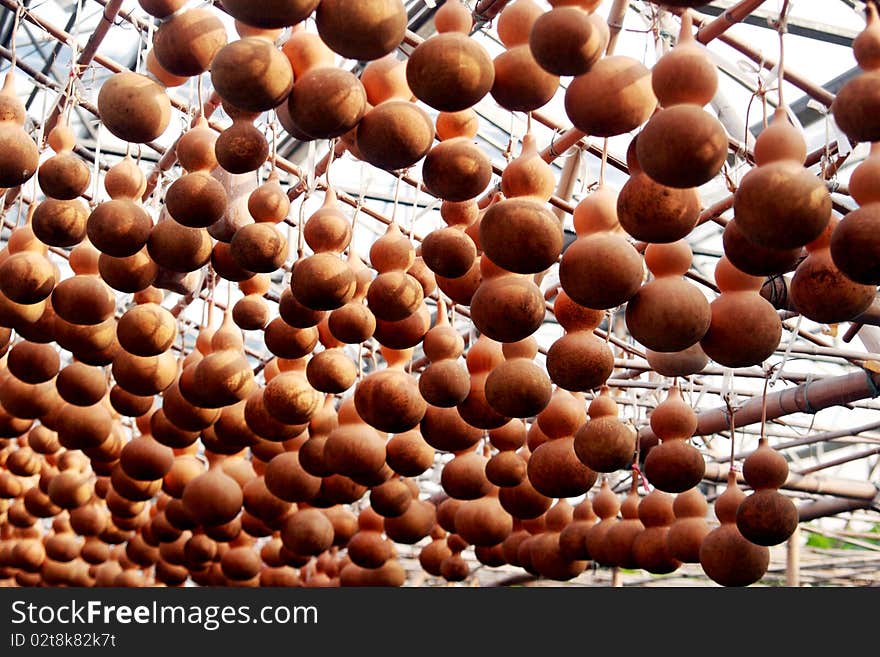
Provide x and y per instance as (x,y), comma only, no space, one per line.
(520,233)
(823,293)
(855,248)
(780,204)
(120,227)
(573,539)
(27,276)
(620,539)
(354,322)
(766,517)
(651,548)
(554,468)
(682,145)
(604,443)
(519,387)
(855,106)
(668,313)
(20,155)
(606,505)
(600,269)
(745,328)
(394,294)
(578,360)
(507,307)
(690,527)
(546,554)
(674,465)
(445,381)
(64,175)
(389,399)
(726,556)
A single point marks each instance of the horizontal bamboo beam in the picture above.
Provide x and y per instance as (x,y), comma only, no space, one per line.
(805,398)
(851,489)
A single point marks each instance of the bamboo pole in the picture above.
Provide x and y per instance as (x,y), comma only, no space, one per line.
(793,559)
(806,398)
(111,9)
(852,489)
(729,18)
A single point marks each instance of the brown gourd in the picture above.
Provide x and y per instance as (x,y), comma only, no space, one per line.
(682,145)
(565,40)
(554,468)
(445,381)
(389,399)
(675,465)
(854,247)
(668,313)
(518,387)
(766,517)
(604,443)
(726,556)
(820,291)
(600,269)
(800,207)
(745,328)
(20,156)
(64,175)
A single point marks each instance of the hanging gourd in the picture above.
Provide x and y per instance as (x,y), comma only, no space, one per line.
(620,539)
(567,40)
(27,276)
(668,313)
(64,175)
(800,207)
(326,102)
(820,291)
(745,328)
(675,465)
(121,226)
(578,360)
(518,387)
(365,31)
(613,97)
(186,43)
(393,295)
(521,234)
(690,527)
(854,246)
(573,538)
(450,252)
(445,381)
(506,307)
(389,399)
(600,269)
(604,443)
(224,376)
(251,312)
(554,468)
(727,557)
(682,145)
(450,71)
(133,107)
(241,147)
(545,553)
(520,84)
(766,517)
(854,107)
(456,170)
(652,212)
(650,548)
(757,260)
